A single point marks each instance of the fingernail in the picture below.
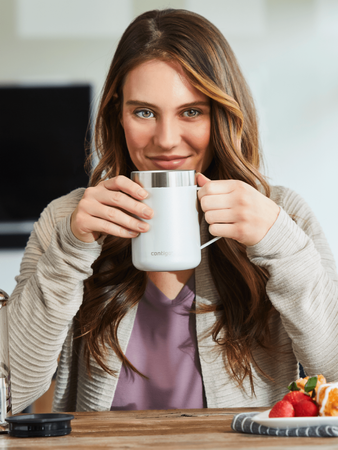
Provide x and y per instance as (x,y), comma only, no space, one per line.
(133,233)
(143,226)
(142,193)
(148,213)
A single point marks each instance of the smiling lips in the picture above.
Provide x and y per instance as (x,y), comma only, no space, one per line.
(168,162)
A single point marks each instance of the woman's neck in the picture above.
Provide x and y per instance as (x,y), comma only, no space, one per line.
(170,283)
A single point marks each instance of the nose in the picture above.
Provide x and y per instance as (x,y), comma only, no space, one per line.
(167,134)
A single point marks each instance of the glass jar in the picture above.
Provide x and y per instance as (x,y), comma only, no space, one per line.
(5,374)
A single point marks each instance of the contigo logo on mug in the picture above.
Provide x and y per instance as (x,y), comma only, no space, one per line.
(161,253)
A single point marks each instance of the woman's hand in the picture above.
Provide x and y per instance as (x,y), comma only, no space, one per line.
(236,210)
(108,208)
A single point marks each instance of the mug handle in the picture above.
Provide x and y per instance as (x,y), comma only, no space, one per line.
(212,240)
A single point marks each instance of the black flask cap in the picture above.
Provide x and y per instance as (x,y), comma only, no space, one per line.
(39,425)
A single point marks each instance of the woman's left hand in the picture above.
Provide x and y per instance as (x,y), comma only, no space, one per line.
(236,210)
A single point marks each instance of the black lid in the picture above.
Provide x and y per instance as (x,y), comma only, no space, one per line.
(30,425)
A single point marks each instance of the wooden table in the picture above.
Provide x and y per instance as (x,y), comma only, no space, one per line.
(191,429)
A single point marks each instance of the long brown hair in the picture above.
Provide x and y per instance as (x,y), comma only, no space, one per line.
(116,285)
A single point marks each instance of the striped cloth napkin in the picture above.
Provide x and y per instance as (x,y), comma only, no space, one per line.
(243,423)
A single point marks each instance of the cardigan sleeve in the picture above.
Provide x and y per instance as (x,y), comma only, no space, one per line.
(303,283)
(48,294)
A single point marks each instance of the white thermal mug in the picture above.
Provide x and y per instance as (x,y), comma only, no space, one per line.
(173,240)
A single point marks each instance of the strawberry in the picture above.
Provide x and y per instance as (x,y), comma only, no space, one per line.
(296,397)
(282,409)
(306,408)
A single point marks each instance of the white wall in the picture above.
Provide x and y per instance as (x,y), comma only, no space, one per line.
(288,50)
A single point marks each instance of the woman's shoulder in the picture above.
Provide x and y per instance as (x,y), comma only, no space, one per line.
(55,212)
(66,204)
(283,195)
(288,199)
(297,208)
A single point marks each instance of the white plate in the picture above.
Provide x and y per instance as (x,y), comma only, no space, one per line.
(293,422)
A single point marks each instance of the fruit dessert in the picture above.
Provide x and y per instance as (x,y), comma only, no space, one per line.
(327,399)
(308,397)
(303,381)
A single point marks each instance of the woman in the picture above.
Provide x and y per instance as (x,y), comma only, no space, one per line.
(265,294)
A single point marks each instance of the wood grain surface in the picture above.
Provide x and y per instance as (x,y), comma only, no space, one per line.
(191,429)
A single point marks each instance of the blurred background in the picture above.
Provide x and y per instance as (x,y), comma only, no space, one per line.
(54,58)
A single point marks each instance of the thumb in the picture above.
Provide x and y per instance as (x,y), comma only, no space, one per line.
(201,179)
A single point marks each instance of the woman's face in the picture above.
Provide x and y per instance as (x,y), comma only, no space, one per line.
(165,119)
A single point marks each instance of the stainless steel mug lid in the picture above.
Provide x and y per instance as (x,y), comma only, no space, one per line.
(164,178)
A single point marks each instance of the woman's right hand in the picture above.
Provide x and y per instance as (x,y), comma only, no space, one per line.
(108,208)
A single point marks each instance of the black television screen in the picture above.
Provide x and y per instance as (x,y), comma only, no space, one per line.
(42,137)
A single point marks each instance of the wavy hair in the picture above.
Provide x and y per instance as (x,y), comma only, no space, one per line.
(116,285)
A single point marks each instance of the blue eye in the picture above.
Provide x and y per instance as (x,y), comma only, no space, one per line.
(191,113)
(144,114)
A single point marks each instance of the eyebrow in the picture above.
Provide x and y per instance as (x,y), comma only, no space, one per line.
(150,105)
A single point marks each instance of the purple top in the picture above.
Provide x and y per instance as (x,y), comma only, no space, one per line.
(163,347)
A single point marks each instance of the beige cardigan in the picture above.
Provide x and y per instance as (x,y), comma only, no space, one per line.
(303,287)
